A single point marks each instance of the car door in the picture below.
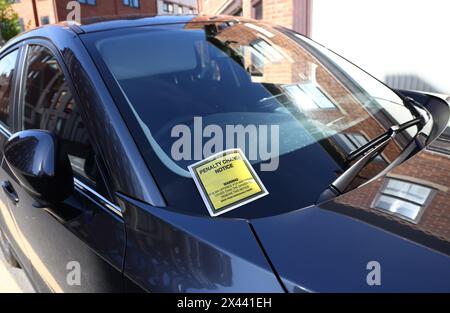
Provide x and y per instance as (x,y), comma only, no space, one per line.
(77,246)
(9,68)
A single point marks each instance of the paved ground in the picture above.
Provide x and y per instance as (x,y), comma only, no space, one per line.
(12,280)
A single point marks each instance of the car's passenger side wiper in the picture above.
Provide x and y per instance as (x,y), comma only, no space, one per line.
(392,132)
(368,152)
(339,186)
(422,118)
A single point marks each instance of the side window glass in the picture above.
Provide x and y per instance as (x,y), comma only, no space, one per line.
(49,105)
(7,69)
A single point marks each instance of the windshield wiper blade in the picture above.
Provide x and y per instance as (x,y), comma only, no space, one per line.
(368,152)
(390,134)
(339,186)
(415,107)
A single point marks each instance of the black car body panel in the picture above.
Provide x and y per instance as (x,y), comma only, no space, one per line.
(129,237)
(170,252)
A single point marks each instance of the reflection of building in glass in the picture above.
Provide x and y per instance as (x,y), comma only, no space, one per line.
(414,194)
(442,144)
(7,66)
(299,80)
(176,261)
(402,198)
(49,105)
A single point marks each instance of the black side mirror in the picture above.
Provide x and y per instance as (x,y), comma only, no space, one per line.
(42,167)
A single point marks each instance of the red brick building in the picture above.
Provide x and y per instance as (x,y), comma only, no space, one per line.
(421,186)
(294,14)
(35,13)
(29,17)
(94,8)
(293,59)
(416,193)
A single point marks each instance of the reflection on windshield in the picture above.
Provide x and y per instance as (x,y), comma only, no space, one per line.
(336,108)
(414,195)
(412,199)
(302,83)
(240,73)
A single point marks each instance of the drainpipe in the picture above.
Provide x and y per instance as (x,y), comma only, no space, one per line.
(35,12)
(56,11)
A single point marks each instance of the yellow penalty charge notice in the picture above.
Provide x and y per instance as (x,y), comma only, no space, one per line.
(227,181)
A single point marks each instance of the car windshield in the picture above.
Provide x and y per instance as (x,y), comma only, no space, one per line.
(294,108)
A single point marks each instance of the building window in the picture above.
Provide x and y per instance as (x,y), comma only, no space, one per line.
(257,10)
(267,50)
(90,2)
(191,11)
(45,20)
(261,53)
(22,24)
(131,3)
(442,144)
(403,198)
(350,142)
(168,7)
(308,96)
(238,12)
(180,10)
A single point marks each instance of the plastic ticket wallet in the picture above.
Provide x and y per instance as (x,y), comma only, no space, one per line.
(227,181)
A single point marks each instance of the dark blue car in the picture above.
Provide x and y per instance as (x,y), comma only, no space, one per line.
(102,126)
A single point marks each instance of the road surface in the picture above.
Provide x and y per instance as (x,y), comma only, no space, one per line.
(13,280)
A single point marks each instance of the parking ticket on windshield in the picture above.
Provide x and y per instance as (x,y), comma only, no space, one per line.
(227,181)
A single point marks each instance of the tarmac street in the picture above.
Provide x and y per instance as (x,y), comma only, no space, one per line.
(13,280)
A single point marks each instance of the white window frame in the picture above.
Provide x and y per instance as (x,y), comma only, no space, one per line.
(422,206)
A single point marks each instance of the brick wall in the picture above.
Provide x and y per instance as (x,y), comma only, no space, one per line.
(294,14)
(295,61)
(427,169)
(211,6)
(24,8)
(107,8)
(276,11)
(56,10)
(279,12)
